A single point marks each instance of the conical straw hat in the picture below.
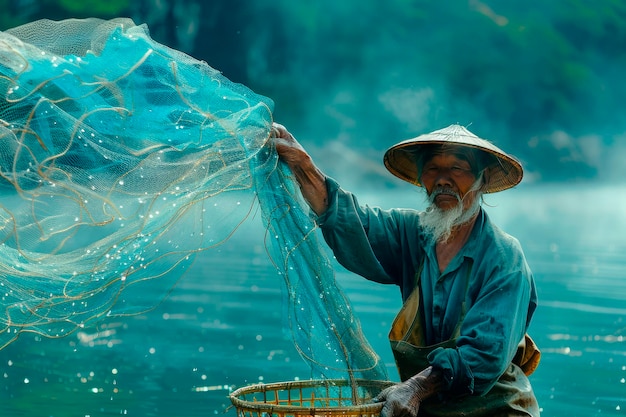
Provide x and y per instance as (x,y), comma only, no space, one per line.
(504,172)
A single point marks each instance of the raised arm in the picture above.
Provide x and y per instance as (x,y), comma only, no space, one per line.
(311,180)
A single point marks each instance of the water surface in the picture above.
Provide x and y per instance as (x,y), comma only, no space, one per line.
(222,326)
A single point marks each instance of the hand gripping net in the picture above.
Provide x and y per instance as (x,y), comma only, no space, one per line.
(120,159)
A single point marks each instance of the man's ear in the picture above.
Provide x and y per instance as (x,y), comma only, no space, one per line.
(486,178)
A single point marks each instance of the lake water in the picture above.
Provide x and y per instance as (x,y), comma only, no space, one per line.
(212,335)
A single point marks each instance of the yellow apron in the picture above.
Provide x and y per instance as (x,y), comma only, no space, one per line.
(512,394)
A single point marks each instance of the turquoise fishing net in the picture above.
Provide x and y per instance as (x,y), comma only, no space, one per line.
(120,160)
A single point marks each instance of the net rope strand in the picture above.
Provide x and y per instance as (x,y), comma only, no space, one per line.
(120,160)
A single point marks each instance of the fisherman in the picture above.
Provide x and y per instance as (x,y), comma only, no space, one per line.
(460,340)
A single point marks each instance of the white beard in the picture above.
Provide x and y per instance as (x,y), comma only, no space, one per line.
(438,224)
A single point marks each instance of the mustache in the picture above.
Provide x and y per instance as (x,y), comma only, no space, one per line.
(443,191)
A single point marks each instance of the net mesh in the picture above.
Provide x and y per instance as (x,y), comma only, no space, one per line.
(120,159)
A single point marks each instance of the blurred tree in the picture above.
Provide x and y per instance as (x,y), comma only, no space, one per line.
(16,12)
(88,8)
(226,27)
(373,71)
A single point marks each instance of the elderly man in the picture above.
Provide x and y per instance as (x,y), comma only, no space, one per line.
(459,341)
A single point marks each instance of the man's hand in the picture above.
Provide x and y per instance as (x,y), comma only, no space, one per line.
(288,148)
(401,400)
(311,180)
(404,399)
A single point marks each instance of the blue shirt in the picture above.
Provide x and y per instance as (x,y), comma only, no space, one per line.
(388,246)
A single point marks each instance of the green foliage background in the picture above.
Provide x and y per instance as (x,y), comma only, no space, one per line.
(542,79)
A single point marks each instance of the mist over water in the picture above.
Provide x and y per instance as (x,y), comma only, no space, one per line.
(533,78)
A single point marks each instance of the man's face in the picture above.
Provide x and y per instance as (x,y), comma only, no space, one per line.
(446,174)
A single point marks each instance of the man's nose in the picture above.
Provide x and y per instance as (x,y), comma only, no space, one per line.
(444,178)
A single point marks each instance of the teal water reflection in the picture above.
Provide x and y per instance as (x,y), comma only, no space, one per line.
(222,326)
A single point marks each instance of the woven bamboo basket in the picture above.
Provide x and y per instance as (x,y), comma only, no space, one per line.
(321,398)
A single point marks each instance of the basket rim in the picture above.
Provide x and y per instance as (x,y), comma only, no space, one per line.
(311,383)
